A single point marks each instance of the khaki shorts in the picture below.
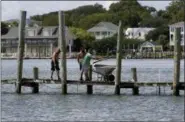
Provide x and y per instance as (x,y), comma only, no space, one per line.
(85,68)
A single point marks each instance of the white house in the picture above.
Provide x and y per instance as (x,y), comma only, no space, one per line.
(150,46)
(137,33)
(103,30)
(172,32)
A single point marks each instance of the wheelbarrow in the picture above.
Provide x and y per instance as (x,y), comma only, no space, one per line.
(104,72)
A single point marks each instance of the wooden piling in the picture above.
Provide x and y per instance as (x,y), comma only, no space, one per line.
(176,61)
(51,49)
(35,88)
(118,58)
(20,50)
(90,87)
(35,73)
(135,90)
(62,46)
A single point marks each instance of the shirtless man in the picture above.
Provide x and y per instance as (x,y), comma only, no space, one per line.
(80,57)
(55,63)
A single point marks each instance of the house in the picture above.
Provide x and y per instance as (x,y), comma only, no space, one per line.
(103,30)
(172,32)
(150,46)
(39,41)
(137,33)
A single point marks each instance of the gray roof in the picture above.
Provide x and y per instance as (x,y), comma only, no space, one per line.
(13,33)
(103,26)
(28,21)
(150,43)
(179,24)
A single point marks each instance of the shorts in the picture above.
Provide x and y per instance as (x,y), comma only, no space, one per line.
(53,67)
(85,68)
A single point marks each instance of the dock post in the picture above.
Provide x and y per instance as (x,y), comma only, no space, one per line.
(62,46)
(135,90)
(176,61)
(20,50)
(35,73)
(51,49)
(90,87)
(35,89)
(118,58)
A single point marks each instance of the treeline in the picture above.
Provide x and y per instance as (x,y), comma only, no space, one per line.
(131,12)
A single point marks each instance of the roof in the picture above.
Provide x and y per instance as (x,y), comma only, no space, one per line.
(13,32)
(103,26)
(136,30)
(150,43)
(178,24)
(28,21)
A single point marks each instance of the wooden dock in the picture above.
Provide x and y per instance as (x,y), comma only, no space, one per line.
(28,82)
(34,82)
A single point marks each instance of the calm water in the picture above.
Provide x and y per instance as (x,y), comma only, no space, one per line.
(50,105)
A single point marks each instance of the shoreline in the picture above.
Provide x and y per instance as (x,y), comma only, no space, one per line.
(10,58)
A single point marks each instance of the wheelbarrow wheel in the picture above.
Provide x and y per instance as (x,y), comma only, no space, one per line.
(111,77)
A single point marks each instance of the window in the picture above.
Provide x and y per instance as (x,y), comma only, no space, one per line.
(182,29)
(104,33)
(108,33)
(172,29)
(171,37)
(182,37)
(46,33)
(97,33)
(31,32)
(139,34)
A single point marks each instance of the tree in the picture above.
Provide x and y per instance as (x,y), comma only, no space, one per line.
(163,40)
(4,28)
(153,22)
(175,11)
(85,38)
(91,20)
(154,34)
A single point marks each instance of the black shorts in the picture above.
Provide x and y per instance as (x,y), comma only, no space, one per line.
(54,66)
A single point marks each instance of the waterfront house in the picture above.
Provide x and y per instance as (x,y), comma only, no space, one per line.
(103,30)
(39,41)
(150,46)
(137,33)
(172,32)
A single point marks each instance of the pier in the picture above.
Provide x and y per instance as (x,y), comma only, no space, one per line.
(117,83)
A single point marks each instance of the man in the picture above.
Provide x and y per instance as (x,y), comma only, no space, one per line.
(55,63)
(86,65)
(80,57)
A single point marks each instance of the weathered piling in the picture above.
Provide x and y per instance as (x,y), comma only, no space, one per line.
(176,61)
(20,50)
(62,46)
(25,49)
(90,87)
(118,58)
(35,73)
(135,90)
(35,88)
(51,48)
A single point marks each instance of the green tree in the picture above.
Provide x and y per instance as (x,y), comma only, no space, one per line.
(175,11)
(85,38)
(154,34)
(4,28)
